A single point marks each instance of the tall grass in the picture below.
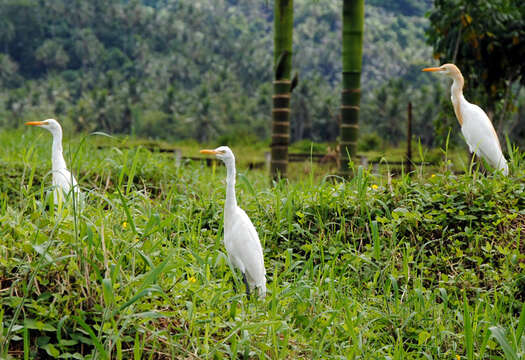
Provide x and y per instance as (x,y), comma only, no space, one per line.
(405,268)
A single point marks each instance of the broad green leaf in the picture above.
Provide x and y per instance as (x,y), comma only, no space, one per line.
(38,325)
(423,337)
(107,290)
(51,350)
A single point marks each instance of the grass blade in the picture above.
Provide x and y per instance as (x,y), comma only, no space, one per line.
(127,211)
(521,325)
(26,343)
(154,274)
(96,342)
(138,296)
(469,336)
(498,334)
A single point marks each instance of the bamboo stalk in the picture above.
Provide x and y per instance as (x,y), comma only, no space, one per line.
(353,23)
(283,31)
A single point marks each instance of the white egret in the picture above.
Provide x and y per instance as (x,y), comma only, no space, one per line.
(240,237)
(475,124)
(63,181)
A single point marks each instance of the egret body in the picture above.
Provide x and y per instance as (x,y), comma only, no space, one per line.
(240,237)
(63,181)
(475,124)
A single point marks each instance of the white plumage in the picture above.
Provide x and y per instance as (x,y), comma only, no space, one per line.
(63,181)
(240,237)
(475,124)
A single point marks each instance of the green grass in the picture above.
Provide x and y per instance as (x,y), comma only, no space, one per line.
(421,267)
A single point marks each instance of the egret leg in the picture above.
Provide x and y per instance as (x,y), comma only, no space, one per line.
(234,282)
(247,286)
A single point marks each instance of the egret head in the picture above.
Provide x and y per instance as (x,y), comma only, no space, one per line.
(50,124)
(223,153)
(449,70)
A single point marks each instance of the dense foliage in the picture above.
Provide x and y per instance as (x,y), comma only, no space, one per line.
(199,69)
(405,7)
(405,268)
(487,41)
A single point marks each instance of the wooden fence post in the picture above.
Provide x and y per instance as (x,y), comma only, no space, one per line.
(267,159)
(364,161)
(178,157)
(375,169)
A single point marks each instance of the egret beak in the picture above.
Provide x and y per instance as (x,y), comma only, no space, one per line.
(35,123)
(210,152)
(432,69)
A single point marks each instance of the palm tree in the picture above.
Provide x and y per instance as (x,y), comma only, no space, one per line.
(353,21)
(282,86)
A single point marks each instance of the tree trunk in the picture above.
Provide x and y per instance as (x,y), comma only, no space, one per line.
(283,30)
(353,21)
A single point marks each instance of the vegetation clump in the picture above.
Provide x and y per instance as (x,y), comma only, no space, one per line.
(406,267)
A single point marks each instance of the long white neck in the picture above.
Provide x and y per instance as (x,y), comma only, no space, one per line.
(231,201)
(456,94)
(57,158)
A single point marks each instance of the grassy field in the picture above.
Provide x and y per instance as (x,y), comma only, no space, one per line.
(424,267)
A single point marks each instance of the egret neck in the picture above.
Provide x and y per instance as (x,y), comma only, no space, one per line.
(231,201)
(456,92)
(57,158)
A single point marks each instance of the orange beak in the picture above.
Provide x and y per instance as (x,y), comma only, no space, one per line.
(36,123)
(210,152)
(432,69)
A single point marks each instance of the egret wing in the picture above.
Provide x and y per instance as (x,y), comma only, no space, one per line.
(246,246)
(63,180)
(480,135)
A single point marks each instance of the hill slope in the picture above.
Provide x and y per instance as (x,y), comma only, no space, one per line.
(177,69)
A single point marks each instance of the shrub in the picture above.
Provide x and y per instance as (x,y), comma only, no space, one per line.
(305,146)
(369,142)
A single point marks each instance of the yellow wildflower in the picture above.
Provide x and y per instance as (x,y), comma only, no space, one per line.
(457,356)
(192,280)
(375,187)
(124,224)
(433,176)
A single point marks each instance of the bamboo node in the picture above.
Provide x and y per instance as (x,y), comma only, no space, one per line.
(281,96)
(351,91)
